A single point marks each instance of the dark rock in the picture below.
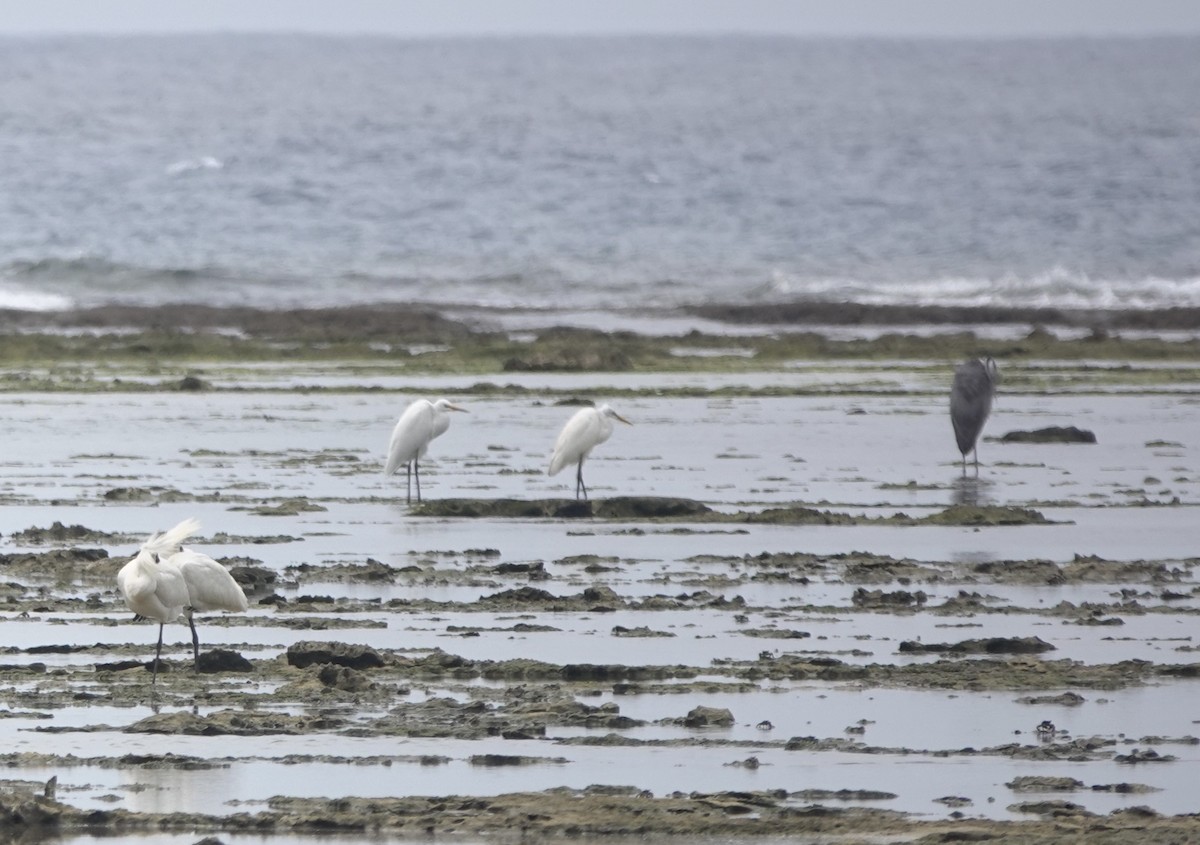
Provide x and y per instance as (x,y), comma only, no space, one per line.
(1147,756)
(702,717)
(307,653)
(601,593)
(796,515)
(843,795)
(1052,434)
(54,649)
(986,515)
(641,631)
(52,558)
(1043,783)
(231,723)
(124,665)
(1052,808)
(618,507)
(863,597)
(648,507)
(991,645)
(592,672)
(59,533)
(1124,788)
(501,760)
(192,384)
(128,494)
(537,569)
(537,732)
(29,813)
(501,508)
(1067,699)
(253,579)
(523,595)
(343,678)
(223,660)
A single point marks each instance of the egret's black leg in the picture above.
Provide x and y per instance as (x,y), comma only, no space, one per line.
(408,476)
(195,641)
(417,473)
(157,654)
(579,485)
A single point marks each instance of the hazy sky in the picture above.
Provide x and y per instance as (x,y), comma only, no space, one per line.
(974,18)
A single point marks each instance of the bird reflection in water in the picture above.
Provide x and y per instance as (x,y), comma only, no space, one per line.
(972,490)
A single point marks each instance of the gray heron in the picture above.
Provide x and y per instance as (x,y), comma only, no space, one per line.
(971,402)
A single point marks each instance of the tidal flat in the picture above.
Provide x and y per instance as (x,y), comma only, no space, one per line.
(786,612)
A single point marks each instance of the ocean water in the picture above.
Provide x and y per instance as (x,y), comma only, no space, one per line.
(598,173)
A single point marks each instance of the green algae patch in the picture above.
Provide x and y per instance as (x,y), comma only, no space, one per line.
(502,508)
(664,508)
(620,507)
(288,507)
(596,812)
(1050,434)
(65,534)
(229,723)
(986,515)
(175,348)
(650,507)
(798,516)
(991,645)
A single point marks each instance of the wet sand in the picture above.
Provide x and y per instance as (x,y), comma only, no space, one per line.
(786,612)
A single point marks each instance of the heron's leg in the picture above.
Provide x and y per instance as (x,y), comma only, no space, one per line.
(417,473)
(195,640)
(157,653)
(579,485)
(408,476)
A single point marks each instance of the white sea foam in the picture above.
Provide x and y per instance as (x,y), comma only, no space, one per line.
(1055,288)
(190,165)
(22,299)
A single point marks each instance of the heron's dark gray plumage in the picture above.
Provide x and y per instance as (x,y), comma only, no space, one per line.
(971,403)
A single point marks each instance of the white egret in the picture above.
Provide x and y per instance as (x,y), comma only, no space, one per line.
(155,590)
(420,423)
(210,587)
(971,403)
(586,430)
(151,584)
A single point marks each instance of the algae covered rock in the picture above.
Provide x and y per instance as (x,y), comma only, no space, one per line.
(59,533)
(1044,783)
(618,507)
(990,645)
(703,717)
(307,652)
(230,723)
(343,678)
(1050,434)
(648,507)
(879,599)
(223,660)
(986,515)
(503,508)
(796,515)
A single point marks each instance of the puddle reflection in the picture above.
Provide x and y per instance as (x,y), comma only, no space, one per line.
(973,491)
